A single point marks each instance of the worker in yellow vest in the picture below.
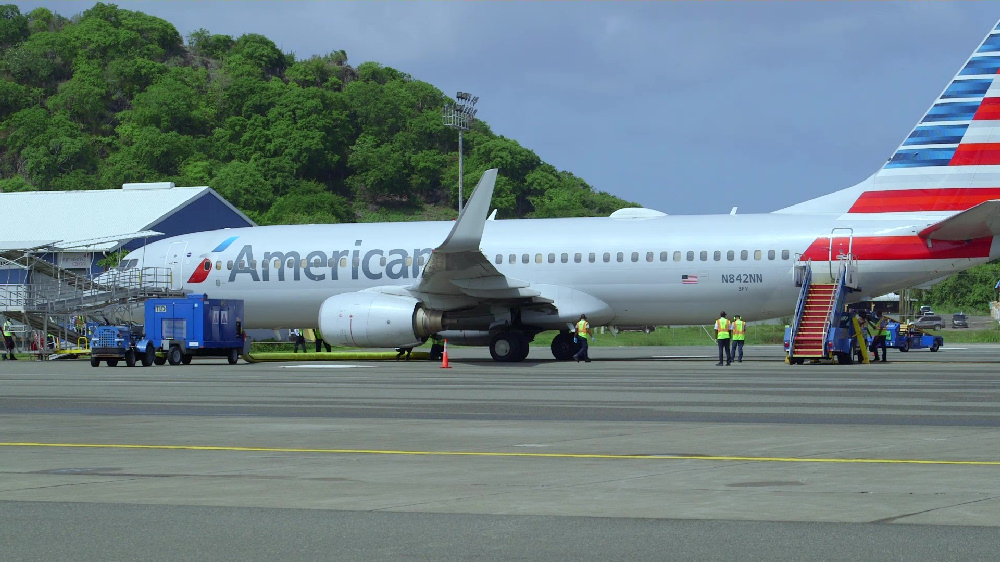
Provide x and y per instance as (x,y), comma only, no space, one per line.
(8,339)
(582,335)
(722,335)
(739,337)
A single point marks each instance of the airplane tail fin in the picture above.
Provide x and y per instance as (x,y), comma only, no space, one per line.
(949,163)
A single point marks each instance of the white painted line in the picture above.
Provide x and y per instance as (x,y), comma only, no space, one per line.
(683,356)
(324,366)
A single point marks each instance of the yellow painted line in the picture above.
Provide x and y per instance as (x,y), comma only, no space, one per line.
(498,454)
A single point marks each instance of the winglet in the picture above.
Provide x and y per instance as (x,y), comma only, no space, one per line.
(467,233)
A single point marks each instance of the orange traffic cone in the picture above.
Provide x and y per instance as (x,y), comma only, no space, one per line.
(444,357)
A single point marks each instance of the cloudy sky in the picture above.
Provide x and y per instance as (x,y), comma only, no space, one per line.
(685,107)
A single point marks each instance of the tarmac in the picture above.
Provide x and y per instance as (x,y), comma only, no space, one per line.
(643,453)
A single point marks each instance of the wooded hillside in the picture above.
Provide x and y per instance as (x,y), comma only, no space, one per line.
(114,96)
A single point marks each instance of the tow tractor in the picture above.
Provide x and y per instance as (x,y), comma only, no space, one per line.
(120,343)
(905,337)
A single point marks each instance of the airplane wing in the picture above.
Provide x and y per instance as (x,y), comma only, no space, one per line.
(458,272)
(978,222)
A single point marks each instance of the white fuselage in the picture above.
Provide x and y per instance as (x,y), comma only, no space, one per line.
(739,263)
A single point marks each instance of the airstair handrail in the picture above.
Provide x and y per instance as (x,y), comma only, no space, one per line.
(800,306)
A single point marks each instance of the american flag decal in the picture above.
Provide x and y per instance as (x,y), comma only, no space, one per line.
(689,279)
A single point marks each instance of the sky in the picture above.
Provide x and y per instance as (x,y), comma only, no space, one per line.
(683,107)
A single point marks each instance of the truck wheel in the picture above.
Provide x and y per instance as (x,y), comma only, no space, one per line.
(187,358)
(95,362)
(159,359)
(936,345)
(149,357)
(130,358)
(112,362)
(234,356)
(174,356)
(905,346)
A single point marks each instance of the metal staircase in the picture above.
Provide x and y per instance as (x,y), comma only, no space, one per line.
(49,295)
(817,311)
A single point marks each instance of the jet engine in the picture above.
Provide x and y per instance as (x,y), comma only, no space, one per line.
(371,319)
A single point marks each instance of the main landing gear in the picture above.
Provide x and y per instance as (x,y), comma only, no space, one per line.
(509,347)
(563,346)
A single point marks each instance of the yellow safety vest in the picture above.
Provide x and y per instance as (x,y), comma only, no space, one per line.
(6,329)
(722,326)
(583,329)
(739,330)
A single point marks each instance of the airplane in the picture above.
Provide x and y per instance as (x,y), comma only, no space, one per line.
(932,210)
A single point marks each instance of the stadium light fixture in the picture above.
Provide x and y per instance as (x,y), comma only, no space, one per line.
(460,115)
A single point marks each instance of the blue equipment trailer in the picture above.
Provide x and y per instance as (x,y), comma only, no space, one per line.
(180,328)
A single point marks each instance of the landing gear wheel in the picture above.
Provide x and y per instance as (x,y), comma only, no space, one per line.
(524,348)
(112,362)
(130,358)
(187,358)
(174,356)
(159,359)
(234,356)
(506,347)
(563,346)
(149,357)
(95,362)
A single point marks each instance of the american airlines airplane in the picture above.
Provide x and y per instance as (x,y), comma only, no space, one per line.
(932,210)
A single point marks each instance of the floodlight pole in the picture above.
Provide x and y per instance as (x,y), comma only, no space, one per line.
(459,115)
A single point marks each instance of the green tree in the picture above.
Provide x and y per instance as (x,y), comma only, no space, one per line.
(13,26)
(308,203)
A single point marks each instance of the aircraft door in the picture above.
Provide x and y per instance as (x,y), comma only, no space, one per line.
(175,263)
(841,247)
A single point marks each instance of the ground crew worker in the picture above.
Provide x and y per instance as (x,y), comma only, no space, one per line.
(722,336)
(320,341)
(881,335)
(437,347)
(582,335)
(299,338)
(8,338)
(739,337)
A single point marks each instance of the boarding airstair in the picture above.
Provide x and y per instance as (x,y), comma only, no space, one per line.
(47,295)
(814,328)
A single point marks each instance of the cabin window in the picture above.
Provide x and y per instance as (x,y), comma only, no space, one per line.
(621,257)
(690,256)
(592,257)
(635,257)
(717,255)
(538,258)
(677,255)
(525,258)
(649,256)
(229,264)
(302,264)
(420,262)
(218,265)
(564,257)
(607,257)
(381,262)
(253,264)
(208,266)
(744,254)
(343,262)
(770,254)
(243,265)
(577,257)
(552,258)
(664,256)
(512,258)
(730,255)
(703,255)
(409,261)
(499,259)
(785,254)
(756,255)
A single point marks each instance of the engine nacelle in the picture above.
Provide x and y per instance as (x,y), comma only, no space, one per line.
(370,319)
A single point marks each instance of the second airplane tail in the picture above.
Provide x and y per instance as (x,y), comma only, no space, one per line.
(949,163)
